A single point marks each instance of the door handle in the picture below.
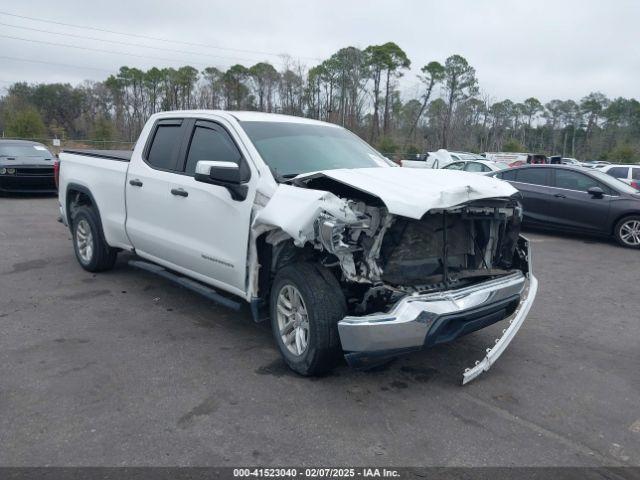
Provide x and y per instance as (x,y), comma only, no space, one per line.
(179,192)
(560,195)
(135,183)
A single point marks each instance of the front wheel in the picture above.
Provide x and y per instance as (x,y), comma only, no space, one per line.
(306,305)
(627,231)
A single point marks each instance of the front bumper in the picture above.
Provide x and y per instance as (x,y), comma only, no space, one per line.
(28,180)
(421,321)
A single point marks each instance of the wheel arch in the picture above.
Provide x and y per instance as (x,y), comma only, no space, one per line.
(79,195)
(616,220)
(273,257)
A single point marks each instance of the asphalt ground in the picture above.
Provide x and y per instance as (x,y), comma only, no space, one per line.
(124,368)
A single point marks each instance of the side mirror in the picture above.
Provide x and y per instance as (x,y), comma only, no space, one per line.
(224,174)
(595,192)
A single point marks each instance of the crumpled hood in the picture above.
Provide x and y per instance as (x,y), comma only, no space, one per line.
(412,192)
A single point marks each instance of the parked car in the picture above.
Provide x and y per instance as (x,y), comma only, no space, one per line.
(570,161)
(476,166)
(629,173)
(26,167)
(511,159)
(595,164)
(562,197)
(458,156)
(312,227)
(439,159)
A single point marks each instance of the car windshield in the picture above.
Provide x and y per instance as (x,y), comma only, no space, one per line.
(500,165)
(613,182)
(290,149)
(24,151)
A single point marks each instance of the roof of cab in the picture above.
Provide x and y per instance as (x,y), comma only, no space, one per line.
(246,116)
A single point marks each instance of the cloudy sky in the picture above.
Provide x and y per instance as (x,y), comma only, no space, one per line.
(542,48)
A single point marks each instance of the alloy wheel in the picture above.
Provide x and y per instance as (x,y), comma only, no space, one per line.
(84,241)
(293,320)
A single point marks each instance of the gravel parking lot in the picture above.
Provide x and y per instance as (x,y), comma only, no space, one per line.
(124,368)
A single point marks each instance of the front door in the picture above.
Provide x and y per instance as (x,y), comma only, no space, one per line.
(576,208)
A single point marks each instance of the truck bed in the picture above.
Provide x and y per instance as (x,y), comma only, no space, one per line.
(119,155)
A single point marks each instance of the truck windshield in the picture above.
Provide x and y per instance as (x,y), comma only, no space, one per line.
(290,149)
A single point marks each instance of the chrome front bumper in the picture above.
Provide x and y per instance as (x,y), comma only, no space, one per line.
(410,324)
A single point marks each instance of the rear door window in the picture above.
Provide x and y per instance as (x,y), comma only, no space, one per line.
(455,166)
(475,167)
(508,175)
(163,152)
(635,173)
(533,176)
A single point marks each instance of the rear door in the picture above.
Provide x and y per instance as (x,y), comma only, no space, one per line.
(150,204)
(575,207)
(537,198)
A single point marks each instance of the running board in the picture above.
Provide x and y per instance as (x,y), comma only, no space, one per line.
(185,282)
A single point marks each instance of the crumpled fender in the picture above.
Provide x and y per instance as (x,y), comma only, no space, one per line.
(294,211)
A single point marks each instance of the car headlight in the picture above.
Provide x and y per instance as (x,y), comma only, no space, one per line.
(3,171)
(11,171)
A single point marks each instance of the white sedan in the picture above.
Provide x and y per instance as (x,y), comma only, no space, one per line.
(477,166)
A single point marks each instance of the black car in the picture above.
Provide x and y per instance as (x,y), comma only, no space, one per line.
(26,167)
(574,199)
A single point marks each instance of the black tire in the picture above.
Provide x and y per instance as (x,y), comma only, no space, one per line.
(619,234)
(325,305)
(102,256)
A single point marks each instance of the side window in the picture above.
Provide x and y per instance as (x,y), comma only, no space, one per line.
(635,173)
(164,147)
(619,172)
(576,181)
(474,167)
(508,175)
(533,175)
(455,166)
(210,142)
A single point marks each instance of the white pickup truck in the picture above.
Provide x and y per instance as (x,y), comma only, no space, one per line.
(342,251)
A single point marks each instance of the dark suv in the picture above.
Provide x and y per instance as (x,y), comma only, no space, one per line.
(561,197)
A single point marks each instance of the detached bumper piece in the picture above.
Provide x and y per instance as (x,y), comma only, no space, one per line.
(503,342)
(421,321)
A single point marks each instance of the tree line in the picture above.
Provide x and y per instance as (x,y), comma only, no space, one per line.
(356,88)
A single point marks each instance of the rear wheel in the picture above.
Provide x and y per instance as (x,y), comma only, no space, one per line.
(306,305)
(627,232)
(92,251)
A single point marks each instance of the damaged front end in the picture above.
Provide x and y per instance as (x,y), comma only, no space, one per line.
(412,283)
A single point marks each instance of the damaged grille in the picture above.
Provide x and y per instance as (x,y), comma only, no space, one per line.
(440,250)
(450,246)
(413,250)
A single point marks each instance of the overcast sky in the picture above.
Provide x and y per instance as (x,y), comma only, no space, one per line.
(547,49)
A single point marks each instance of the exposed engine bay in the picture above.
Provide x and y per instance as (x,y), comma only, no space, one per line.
(380,257)
(386,257)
